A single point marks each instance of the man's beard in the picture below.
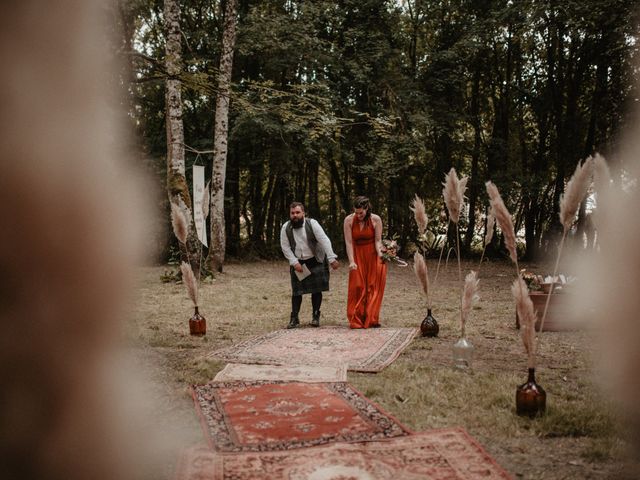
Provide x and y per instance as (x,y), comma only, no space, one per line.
(297,223)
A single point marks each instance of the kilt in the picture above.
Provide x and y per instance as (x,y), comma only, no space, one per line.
(318,281)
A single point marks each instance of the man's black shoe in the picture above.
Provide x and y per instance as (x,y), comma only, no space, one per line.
(294,322)
(315,320)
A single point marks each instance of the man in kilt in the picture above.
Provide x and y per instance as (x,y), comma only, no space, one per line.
(304,242)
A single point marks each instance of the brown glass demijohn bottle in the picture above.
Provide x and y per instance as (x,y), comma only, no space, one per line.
(531,399)
(197,324)
(429,326)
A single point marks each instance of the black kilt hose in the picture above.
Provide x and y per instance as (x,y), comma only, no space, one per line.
(318,281)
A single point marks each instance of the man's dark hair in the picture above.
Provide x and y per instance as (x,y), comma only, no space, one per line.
(296,204)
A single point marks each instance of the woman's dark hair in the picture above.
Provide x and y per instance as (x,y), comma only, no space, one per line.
(363,202)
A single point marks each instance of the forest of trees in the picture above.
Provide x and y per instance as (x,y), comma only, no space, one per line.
(332,99)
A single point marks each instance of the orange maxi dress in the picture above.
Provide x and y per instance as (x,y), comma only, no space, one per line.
(367,282)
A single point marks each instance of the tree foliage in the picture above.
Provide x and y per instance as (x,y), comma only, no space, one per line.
(331,99)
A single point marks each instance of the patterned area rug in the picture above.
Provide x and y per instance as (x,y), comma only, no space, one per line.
(449,454)
(260,416)
(367,350)
(303,373)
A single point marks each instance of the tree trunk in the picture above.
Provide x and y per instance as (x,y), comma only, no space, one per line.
(597,101)
(300,181)
(233,224)
(220,133)
(313,208)
(272,208)
(259,211)
(176,180)
(332,220)
(339,184)
(475,158)
(256,180)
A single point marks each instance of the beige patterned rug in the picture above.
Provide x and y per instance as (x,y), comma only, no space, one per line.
(447,454)
(303,373)
(362,350)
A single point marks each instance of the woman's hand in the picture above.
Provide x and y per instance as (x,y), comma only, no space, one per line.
(353,266)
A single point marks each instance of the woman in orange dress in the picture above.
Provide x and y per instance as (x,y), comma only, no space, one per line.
(367,270)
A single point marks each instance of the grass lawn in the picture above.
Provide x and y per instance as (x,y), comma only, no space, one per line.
(578,438)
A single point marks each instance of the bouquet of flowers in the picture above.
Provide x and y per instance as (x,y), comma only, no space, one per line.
(390,252)
(533,281)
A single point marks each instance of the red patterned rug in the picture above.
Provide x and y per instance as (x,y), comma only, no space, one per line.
(259,416)
(448,454)
(361,350)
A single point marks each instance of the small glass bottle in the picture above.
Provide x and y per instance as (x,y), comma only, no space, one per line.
(429,326)
(462,354)
(531,399)
(197,324)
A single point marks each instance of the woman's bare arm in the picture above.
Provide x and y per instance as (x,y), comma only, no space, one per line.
(377,226)
(348,240)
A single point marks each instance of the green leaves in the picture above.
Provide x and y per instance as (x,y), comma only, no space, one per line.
(378,90)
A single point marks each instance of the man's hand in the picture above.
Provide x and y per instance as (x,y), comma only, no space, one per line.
(297,267)
(335,264)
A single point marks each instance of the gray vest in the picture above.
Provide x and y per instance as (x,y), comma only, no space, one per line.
(311,238)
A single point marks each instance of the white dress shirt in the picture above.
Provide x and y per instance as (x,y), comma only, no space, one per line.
(303,251)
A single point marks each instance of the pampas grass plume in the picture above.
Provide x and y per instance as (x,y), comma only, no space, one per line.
(601,174)
(602,184)
(186,210)
(527,317)
(420,214)
(469,296)
(420,268)
(503,217)
(575,192)
(453,193)
(601,179)
(491,222)
(190,281)
(179,223)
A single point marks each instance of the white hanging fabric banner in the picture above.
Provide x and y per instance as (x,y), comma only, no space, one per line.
(198,191)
